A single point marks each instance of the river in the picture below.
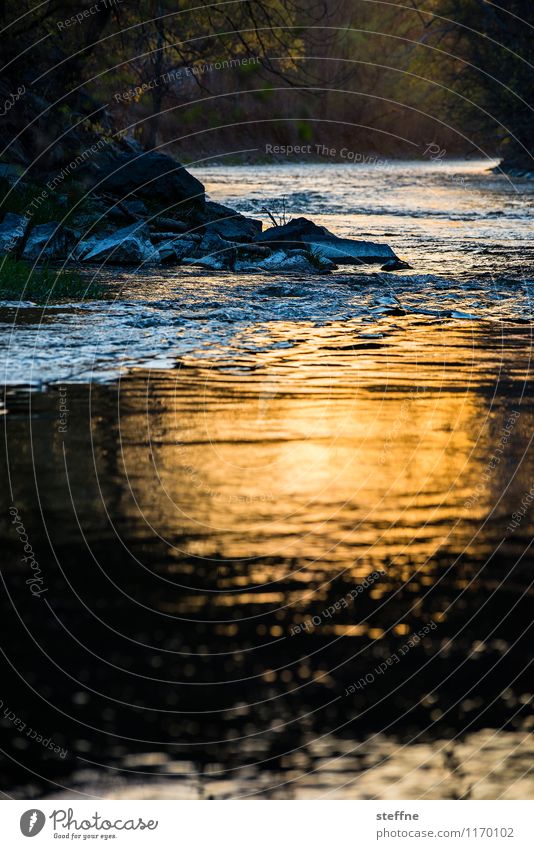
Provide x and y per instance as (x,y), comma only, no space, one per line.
(282,525)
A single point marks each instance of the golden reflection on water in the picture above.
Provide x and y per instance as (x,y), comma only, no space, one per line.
(340,459)
(230,501)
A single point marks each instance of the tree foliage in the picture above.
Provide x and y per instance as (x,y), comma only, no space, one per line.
(326,71)
(495,68)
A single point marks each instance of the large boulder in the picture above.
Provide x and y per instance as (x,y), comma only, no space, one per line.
(127,246)
(152,176)
(230,224)
(350,251)
(291,235)
(12,232)
(49,242)
(303,233)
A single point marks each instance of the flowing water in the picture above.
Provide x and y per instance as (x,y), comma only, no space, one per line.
(247,493)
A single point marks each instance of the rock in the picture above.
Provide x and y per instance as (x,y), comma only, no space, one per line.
(135,206)
(127,246)
(130,144)
(395,265)
(86,246)
(151,175)
(118,216)
(170,224)
(516,164)
(12,232)
(302,233)
(350,251)
(212,252)
(10,171)
(215,263)
(167,256)
(252,251)
(296,261)
(172,237)
(50,242)
(172,251)
(291,235)
(230,224)
(220,254)
(126,210)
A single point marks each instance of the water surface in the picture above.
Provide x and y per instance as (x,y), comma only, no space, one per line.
(246,494)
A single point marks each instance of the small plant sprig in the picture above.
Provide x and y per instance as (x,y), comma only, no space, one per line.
(283,215)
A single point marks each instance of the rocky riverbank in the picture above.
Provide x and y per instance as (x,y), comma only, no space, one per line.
(144,208)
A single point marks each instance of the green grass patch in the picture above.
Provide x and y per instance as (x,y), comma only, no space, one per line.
(19,280)
(43,205)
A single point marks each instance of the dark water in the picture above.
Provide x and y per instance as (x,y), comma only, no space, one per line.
(245,496)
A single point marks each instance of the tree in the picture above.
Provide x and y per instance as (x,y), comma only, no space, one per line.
(73,54)
(488,53)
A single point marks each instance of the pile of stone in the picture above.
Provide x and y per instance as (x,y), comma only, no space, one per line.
(186,230)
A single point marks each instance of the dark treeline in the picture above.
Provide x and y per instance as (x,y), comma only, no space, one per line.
(208,79)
